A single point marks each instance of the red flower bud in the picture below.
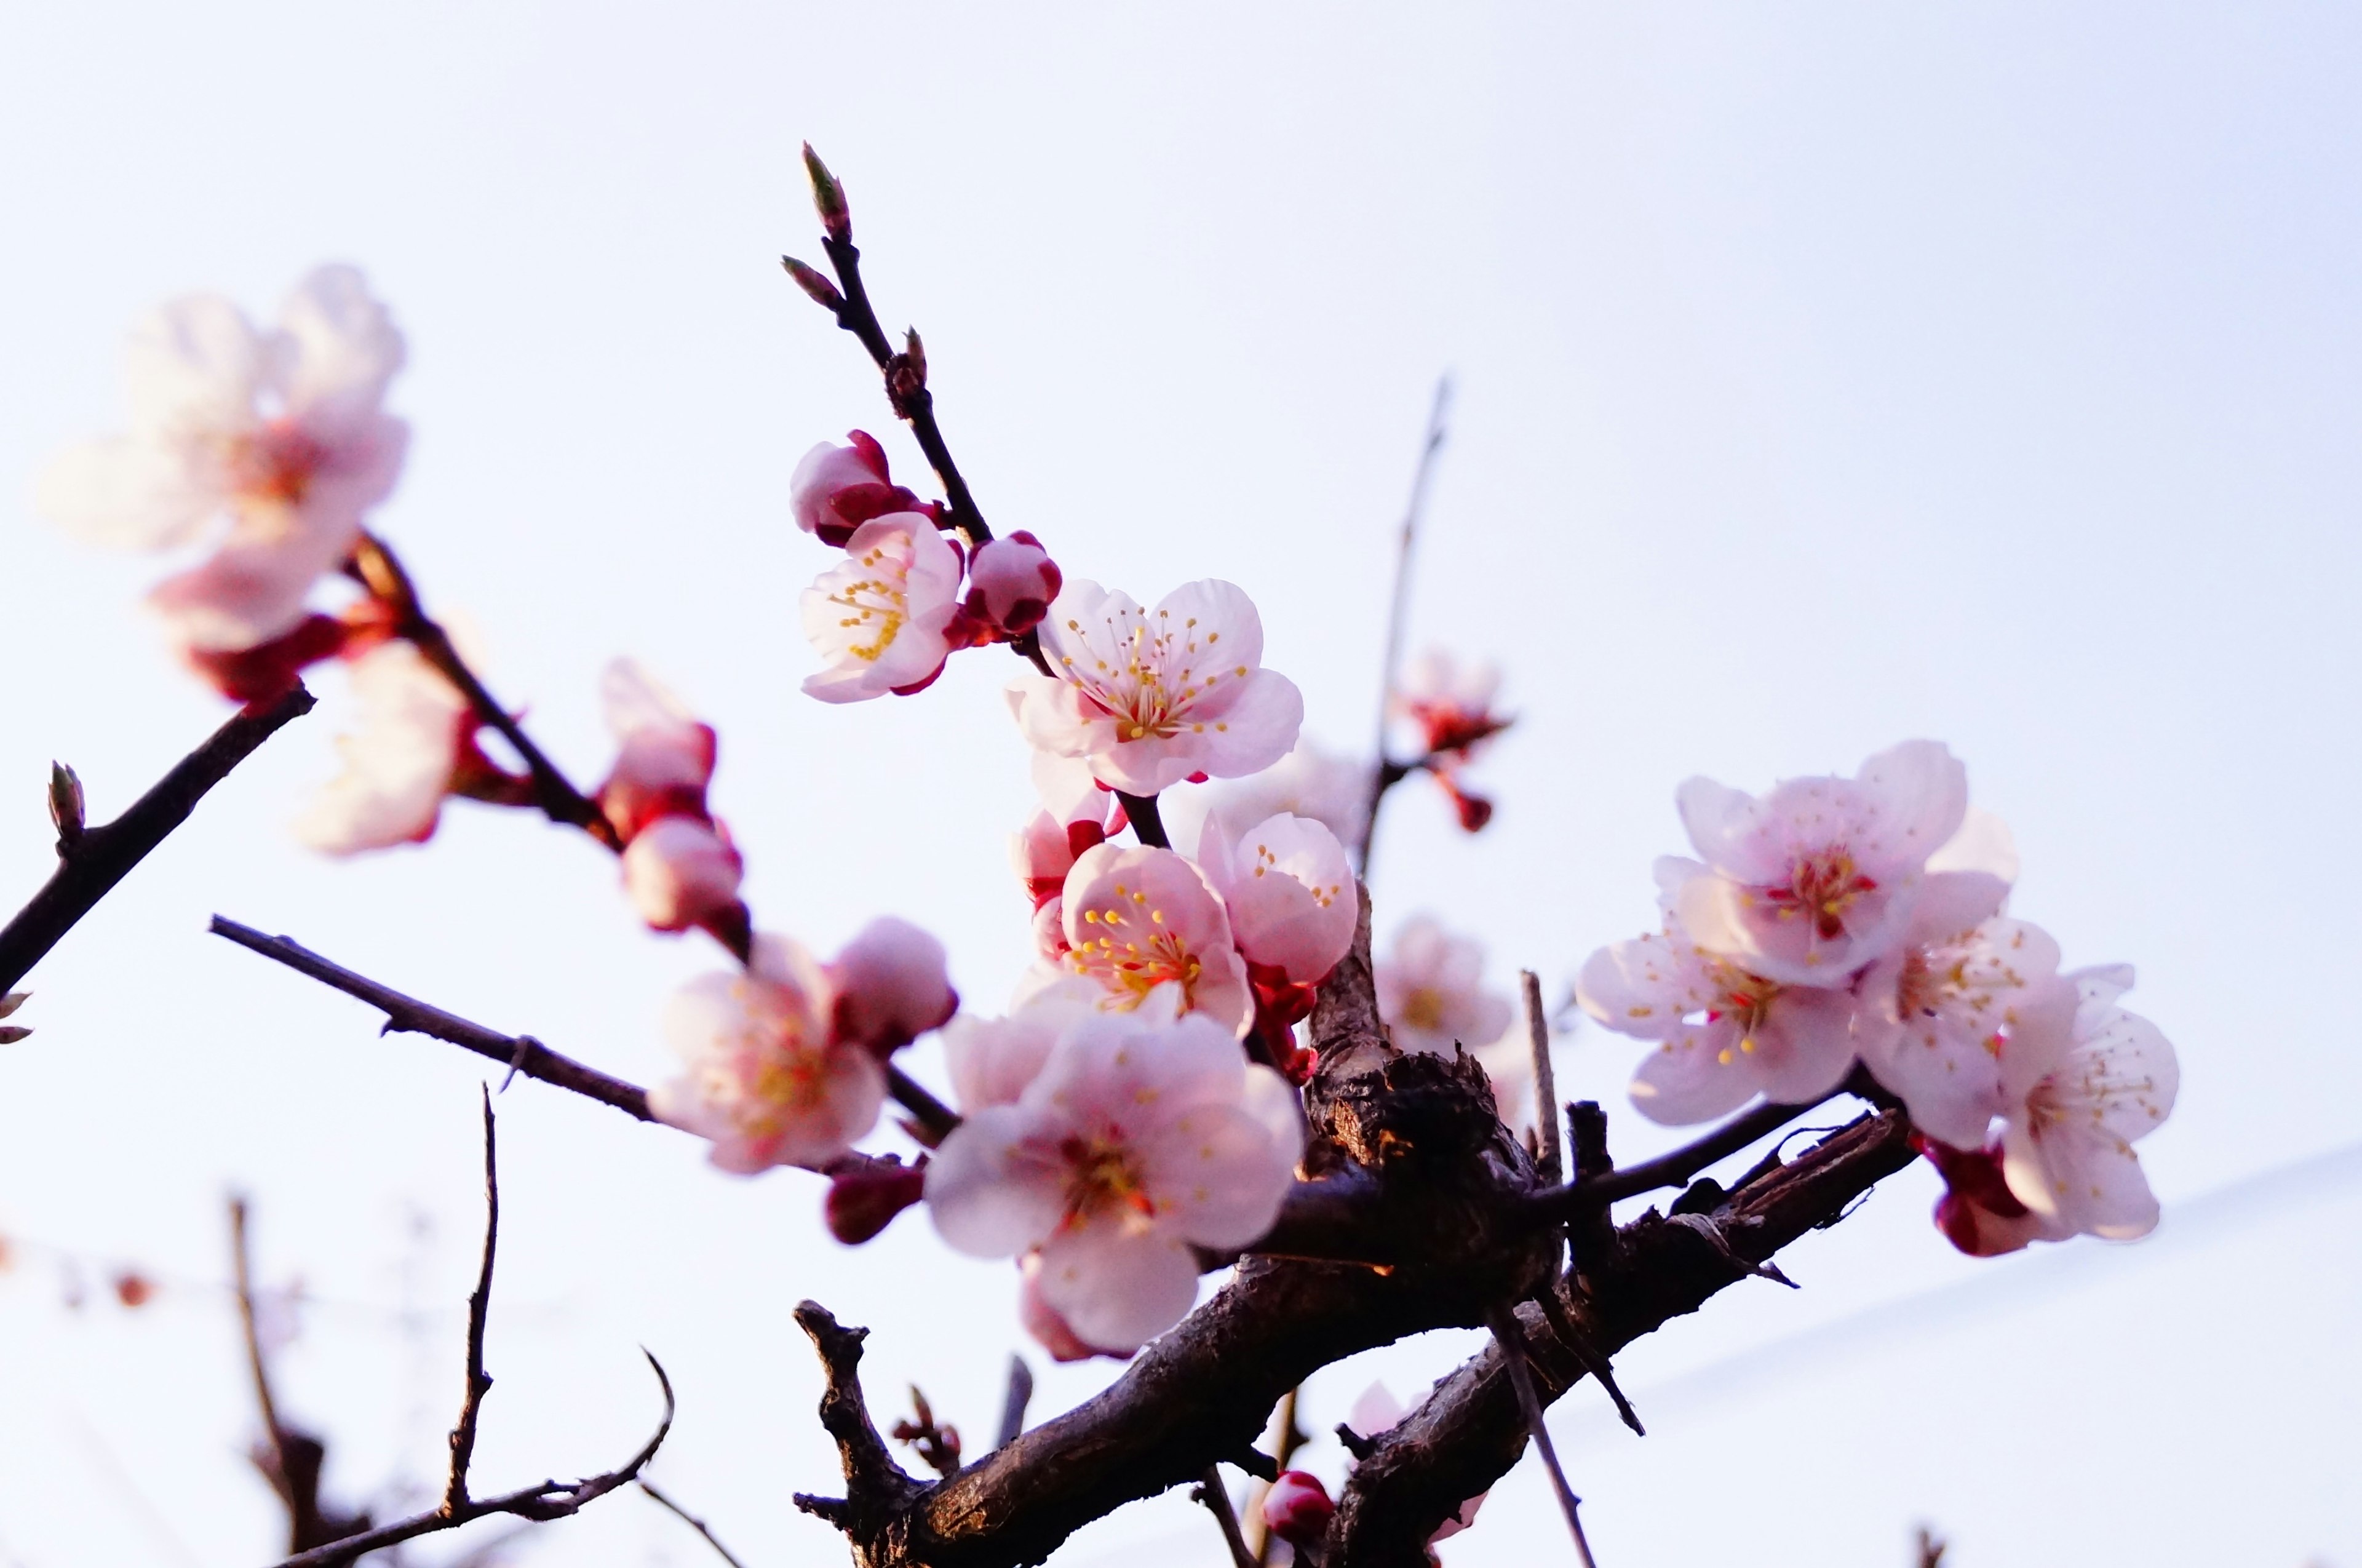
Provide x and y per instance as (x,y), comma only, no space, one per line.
(862,1200)
(1296,1509)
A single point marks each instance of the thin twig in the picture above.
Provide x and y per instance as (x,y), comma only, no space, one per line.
(1291,1437)
(1013,1403)
(1551,1166)
(1211,1490)
(1514,1352)
(1147,822)
(242,1284)
(92,861)
(692,1521)
(1673,1169)
(479,1303)
(1398,616)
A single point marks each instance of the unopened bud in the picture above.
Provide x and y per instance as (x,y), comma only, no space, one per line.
(67,808)
(811,280)
(12,1001)
(1011,582)
(828,196)
(10,1034)
(1296,1509)
(862,1201)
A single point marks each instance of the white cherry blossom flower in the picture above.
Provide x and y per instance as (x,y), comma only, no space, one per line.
(414,731)
(1431,993)
(2081,1087)
(1139,1141)
(1138,921)
(681,872)
(768,1083)
(1153,697)
(1077,814)
(1328,788)
(1812,881)
(1724,1034)
(270,445)
(991,1060)
(1289,891)
(879,618)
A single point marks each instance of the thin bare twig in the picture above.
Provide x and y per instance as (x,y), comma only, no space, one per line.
(1551,1164)
(1672,1169)
(1515,1355)
(1388,774)
(242,1283)
(292,1462)
(1211,1490)
(1013,1403)
(480,1302)
(692,1521)
(92,860)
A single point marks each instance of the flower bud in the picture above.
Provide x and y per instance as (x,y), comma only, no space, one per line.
(835,490)
(10,1034)
(1296,1509)
(864,1201)
(828,197)
(1011,582)
(813,282)
(12,1001)
(890,987)
(68,810)
(681,872)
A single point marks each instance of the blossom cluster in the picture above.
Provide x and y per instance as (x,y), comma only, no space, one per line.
(1837,922)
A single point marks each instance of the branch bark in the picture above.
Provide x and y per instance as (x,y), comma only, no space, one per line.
(92,861)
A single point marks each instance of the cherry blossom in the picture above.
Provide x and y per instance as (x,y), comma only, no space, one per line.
(880,618)
(767,1080)
(835,490)
(1810,882)
(1153,697)
(279,435)
(1725,1034)
(1448,703)
(991,1060)
(2079,1089)
(1139,921)
(1296,1509)
(1430,991)
(413,740)
(1289,891)
(1331,790)
(1938,1017)
(682,872)
(1046,1324)
(1077,814)
(891,987)
(666,755)
(1143,1136)
(1011,583)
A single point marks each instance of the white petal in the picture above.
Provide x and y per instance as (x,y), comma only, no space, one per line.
(987,1199)
(1119,1288)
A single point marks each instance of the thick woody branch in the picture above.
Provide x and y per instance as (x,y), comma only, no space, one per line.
(92,860)
(1471,1431)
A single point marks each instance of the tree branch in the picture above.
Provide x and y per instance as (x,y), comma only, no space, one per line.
(1672,1169)
(94,859)
(480,1304)
(692,1521)
(292,1462)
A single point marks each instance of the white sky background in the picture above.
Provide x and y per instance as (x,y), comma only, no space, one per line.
(1829,375)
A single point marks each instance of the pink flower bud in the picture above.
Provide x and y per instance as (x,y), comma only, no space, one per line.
(1296,1509)
(680,872)
(864,1201)
(661,771)
(890,987)
(1011,582)
(837,489)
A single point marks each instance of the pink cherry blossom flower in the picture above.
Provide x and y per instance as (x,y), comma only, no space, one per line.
(835,490)
(277,436)
(1153,697)
(1144,1136)
(1328,789)
(1724,1034)
(880,618)
(1289,891)
(768,1081)
(1140,921)
(682,872)
(2079,1089)
(415,735)
(1077,814)
(1430,991)
(891,987)
(1296,1509)
(1011,583)
(992,1060)
(1809,883)
(1449,704)
(666,755)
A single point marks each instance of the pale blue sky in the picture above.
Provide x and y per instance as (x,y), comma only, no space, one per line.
(1828,375)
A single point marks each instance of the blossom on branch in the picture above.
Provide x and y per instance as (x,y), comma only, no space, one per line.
(1978,1213)
(1011,583)
(1297,1508)
(1144,1136)
(1077,814)
(835,490)
(414,744)
(2082,1082)
(1151,697)
(1940,1017)
(891,987)
(1432,994)
(678,864)
(270,445)
(1450,705)
(881,618)
(682,872)
(1140,922)
(1331,790)
(1289,891)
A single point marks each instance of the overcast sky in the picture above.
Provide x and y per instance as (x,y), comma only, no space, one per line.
(1829,375)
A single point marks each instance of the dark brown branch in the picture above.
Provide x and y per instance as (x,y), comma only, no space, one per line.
(875,1485)
(545,1501)
(381,572)
(480,1304)
(1397,617)
(403,1014)
(1509,1340)
(242,1284)
(692,1521)
(92,860)
(1215,1495)
(292,1462)
(1672,1169)
(1147,822)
